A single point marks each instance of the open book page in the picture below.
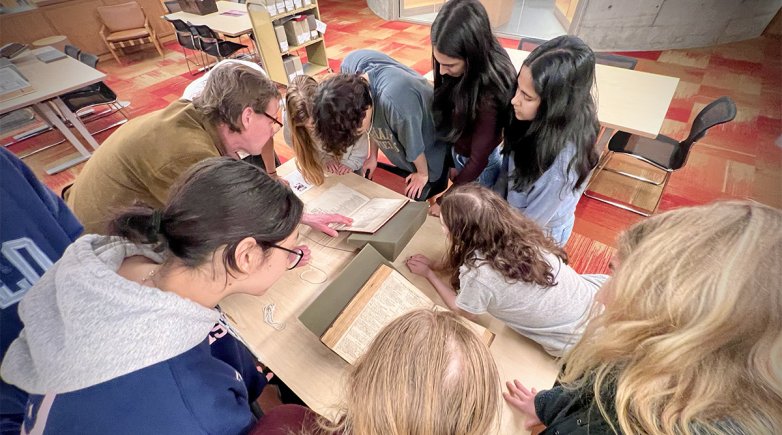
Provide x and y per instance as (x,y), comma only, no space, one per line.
(368,214)
(372,215)
(12,81)
(386,296)
(338,199)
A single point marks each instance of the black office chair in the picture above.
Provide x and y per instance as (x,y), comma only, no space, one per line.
(662,153)
(529,44)
(187,38)
(98,94)
(212,45)
(72,51)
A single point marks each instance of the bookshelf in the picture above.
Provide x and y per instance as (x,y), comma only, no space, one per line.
(269,49)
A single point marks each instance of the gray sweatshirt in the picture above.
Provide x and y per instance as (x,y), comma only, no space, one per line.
(84,324)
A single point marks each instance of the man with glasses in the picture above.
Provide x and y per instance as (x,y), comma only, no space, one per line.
(236,114)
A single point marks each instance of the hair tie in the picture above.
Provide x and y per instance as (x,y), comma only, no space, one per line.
(157,217)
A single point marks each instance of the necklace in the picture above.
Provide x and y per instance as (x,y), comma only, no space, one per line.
(151,275)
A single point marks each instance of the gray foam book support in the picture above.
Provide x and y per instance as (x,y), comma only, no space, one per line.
(392,237)
(322,312)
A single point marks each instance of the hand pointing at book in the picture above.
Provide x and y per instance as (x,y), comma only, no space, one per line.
(321,222)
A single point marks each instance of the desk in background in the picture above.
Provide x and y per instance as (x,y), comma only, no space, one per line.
(627,100)
(228,25)
(49,81)
(313,371)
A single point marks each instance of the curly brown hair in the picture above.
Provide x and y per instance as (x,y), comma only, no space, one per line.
(338,110)
(511,243)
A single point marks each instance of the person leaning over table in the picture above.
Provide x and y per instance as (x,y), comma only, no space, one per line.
(237,112)
(377,95)
(124,335)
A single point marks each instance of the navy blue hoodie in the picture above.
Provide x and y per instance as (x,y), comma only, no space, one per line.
(101,354)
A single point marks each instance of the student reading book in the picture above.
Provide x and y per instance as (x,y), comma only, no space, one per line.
(501,262)
(383,298)
(425,373)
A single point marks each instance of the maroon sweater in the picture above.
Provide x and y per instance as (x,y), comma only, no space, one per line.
(478,143)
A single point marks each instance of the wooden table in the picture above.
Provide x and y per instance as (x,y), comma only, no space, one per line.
(233,26)
(49,81)
(317,374)
(627,100)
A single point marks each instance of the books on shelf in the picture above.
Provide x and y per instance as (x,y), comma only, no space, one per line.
(383,298)
(368,215)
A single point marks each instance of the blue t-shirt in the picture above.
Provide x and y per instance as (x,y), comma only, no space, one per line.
(35,228)
(402,123)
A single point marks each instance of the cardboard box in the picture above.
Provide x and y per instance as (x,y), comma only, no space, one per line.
(297,4)
(288,62)
(271,7)
(281,38)
(298,66)
(289,5)
(280,6)
(291,33)
(303,31)
(313,26)
(307,2)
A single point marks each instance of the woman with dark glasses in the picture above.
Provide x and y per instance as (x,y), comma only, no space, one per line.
(124,333)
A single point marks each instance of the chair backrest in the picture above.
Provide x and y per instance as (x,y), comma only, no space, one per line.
(719,111)
(172,6)
(124,16)
(529,44)
(72,51)
(179,25)
(205,32)
(88,59)
(616,60)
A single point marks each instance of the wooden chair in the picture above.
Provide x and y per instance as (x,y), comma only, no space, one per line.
(125,25)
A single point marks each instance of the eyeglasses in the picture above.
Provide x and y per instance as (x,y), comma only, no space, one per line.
(294,256)
(274,119)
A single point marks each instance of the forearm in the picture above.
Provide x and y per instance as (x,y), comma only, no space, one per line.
(373,149)
(421,165)
(447,294)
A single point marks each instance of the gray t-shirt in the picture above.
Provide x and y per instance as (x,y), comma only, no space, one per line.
(555,317)
(402,123)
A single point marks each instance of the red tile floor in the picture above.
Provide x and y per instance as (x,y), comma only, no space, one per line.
(742,159)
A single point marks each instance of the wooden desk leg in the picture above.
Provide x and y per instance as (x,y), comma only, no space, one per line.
(47,113)
(76,122)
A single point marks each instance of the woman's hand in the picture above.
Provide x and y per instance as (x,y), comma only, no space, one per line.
(370,164)
(415,184)
(522,400)
(420,265)
(321,222)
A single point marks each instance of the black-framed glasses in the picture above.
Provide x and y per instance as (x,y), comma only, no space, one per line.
(294,255)
(276,121)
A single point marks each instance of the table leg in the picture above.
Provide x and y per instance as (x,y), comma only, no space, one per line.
(47,113)
(76,122)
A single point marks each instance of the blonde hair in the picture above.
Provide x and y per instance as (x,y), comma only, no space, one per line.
(692,329)
(298,111)
(426,373)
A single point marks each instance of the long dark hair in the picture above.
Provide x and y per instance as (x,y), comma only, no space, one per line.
(462,30)
(563,71)
(218,202)
(511,243)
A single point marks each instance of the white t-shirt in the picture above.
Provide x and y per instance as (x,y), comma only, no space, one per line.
(555,316)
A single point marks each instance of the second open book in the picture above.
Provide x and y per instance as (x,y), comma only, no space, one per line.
(368,214)
(384,297)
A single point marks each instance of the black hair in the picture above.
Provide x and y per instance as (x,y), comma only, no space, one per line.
(218,202)
(462,30)
(338,109)
(563,72)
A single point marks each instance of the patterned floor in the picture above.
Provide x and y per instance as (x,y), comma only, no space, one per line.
(742,159)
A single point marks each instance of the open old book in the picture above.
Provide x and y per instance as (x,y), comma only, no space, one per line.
(368,214)
(385,296)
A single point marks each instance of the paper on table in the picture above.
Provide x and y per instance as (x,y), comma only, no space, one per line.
(395,297)
(297,182)
(11,80)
